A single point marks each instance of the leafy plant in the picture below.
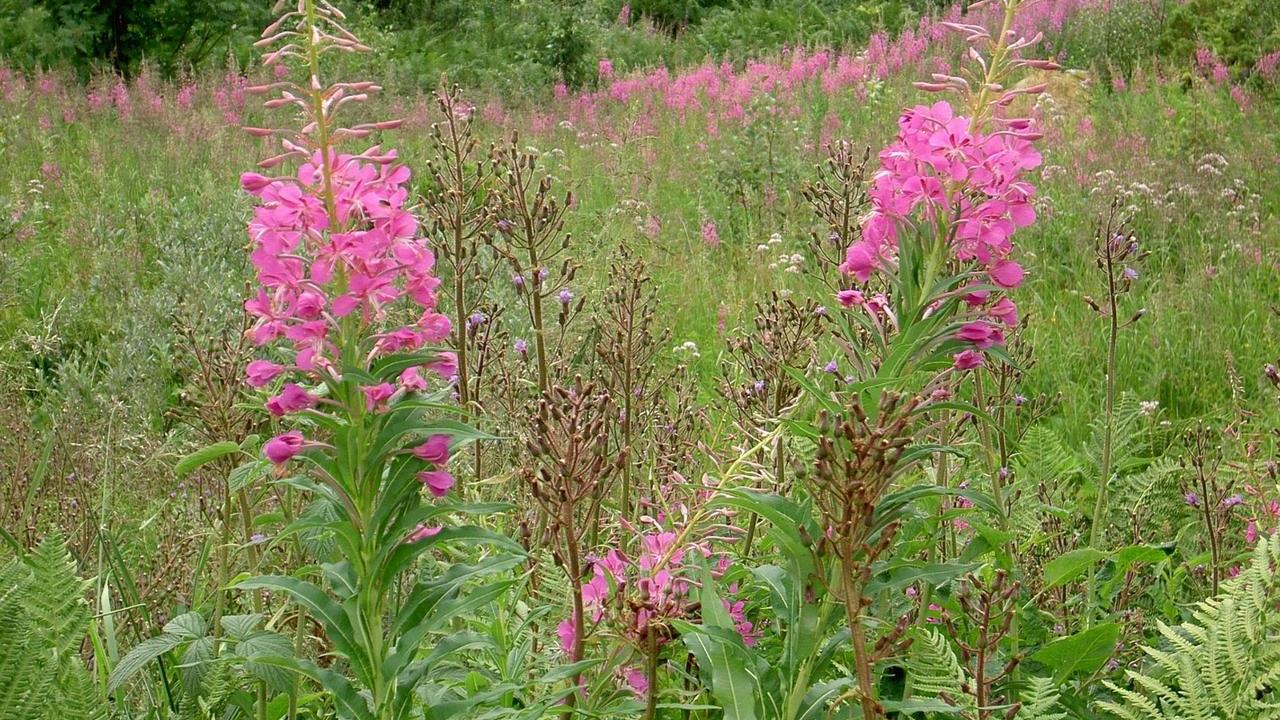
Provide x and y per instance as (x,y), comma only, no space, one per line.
(43,620)
(1223,663)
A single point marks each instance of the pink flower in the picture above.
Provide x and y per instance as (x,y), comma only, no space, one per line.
(1005,311)
(859,261)
(281,448)
(435,450)
(606,68)
(439,482)
(422,532)
(1006,274)
(967,360)
(435,326)
(568,635)
(377,395)
(850,298)
(982,334)
(261,372)
(292,398)
(411,379)
(637,680)
(446,365)
(710,234)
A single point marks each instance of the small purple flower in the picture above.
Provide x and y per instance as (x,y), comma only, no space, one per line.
(518,281)
(477,319)
(257,539)
(1192,499)
(1019,400)
(820,311)
(1131,273)
(566,297)
(832,367)
(759,387)
(521,346)
(1232,501)
(543,273)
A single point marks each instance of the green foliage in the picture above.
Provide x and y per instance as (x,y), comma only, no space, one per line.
(1238,32)
(935,671)
(43,619)
(1224,663)
(173,34)
(1113,41)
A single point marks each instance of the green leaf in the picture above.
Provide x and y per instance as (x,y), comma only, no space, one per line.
(188,626)
(1065,568)
(344,693)
(336,622)
(731,684)
(204,456)
(1083,652)
(141,654)
(721,653)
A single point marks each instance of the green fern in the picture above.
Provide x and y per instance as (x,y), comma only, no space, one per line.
(935,671)
(43,617)
(1040,701)
(1042,458)
(1223,664)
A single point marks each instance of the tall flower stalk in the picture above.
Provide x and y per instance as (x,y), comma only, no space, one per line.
(1116,254)
(948,196)
(346,311)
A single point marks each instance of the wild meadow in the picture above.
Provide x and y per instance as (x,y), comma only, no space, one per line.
(932,375)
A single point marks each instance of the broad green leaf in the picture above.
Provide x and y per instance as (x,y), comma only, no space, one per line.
(335,620)
(350,702)
(141,654)
(1065,568)
(188,626)
(1082,653)
(204,456)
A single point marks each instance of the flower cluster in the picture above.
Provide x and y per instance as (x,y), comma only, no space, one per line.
(640,595)
(955,185)
(340,265)
(953,176)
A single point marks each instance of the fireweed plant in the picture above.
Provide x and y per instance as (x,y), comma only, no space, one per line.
(949,194)
(347,305)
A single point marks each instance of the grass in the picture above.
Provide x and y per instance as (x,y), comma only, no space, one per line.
(115,230)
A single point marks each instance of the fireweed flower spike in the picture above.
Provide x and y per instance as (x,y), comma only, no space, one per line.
(951,189)
(341,265)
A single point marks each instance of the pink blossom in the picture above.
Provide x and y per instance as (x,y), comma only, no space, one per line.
(710,234)
(262,372)
(568,636)
(435,450)
(860,260)
(376,396)
(281,448)
(1005,311)
(968,360)
(292,398)
(1006,274)
(439,482)
(637,680)
(411,379)
(981,334)
(446,365)
(850,298)
(422,532)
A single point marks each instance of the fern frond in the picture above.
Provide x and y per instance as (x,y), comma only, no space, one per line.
(1040,700)
(1224,663)
(933,669)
